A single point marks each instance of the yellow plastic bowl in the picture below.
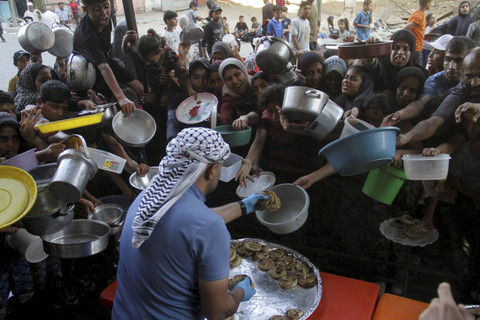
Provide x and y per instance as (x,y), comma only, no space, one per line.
(70,123)
(18,193)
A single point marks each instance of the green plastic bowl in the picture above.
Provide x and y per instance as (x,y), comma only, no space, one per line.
(235,138)
(383,184)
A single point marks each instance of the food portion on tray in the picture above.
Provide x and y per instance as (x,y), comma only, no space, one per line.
(285,281)
(271,204)
(408,231)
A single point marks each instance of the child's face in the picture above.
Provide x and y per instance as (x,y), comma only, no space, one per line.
(432,20)
(43,76)
(352,82)
(333,82)
(199,79)
(369,7)
(465,8)
(9,108)
(9,141)
(314,75)
(272,111)
(53,111)
(472,128)
(259,85)
(374,117)
(341,25)
(22,62)
(242,19)
(305,11)
(254,21)
(278,14)
(99,13)
(172,22)
(284,14)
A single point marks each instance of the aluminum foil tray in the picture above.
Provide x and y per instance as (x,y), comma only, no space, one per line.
(270,299)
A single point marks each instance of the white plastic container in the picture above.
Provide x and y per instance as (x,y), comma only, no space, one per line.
(353,125)
(230,167)
(418,167)
(107,161)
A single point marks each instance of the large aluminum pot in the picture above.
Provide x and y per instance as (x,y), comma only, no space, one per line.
(36,37)
(325,122)
(41,221)
(63,45)
(303,103)
(81,74)
(75,168)
(192,33)
(81,238)
(273,54)
(291,78)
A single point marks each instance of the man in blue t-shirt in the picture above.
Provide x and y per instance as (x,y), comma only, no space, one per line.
(275,26)
(363,20)
(174,250)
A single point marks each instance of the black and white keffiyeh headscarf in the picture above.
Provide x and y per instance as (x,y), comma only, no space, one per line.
(188,155)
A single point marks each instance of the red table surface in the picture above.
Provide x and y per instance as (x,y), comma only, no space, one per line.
(345,298)
(392,307)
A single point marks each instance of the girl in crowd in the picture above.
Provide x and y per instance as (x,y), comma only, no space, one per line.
(356,87)
(221,51)
(343,28)
(458,25)
(215,83)
(260,82)
(29,82)
(335,70)
(430,22)
(311,64)
(287,154)
(235,111)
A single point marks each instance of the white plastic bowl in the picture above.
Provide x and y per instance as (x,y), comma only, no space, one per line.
(293,212)
(353,125)
(265,180)
(418,167)
(230,167)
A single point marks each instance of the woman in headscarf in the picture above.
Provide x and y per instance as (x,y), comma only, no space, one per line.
(458,25)
(29,83)
(311,64)
(409,84)
(221,51)
(260,82)
(356,87)
(238,101)
(385,69)
(335,70)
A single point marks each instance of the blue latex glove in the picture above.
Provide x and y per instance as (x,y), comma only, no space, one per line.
(247,289)
(252,200)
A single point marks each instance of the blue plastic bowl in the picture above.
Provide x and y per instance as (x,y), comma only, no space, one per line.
(362,151)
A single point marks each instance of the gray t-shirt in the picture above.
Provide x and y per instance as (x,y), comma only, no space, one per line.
(192,16)
(301,29)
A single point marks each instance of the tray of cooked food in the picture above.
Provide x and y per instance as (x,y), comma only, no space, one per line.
(288,285)
(408,231)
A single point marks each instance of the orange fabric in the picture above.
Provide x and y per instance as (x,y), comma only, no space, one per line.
(345,298)
(108,294)
(419,30)
(392,307)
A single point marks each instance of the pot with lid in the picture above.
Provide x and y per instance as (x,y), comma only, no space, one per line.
(325,122)
(81,73)
(36,37)
(273,54)
(303,103)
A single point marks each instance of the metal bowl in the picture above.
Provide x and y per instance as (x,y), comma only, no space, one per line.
(111,214)
(81,238)
(136,130)
(140,183)
(192,33)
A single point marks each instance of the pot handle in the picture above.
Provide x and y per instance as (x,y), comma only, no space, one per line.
(66,210)
(82,140)
(313,93)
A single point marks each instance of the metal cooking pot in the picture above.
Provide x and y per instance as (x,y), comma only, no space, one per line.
(81,238)
(63,45)
(136,130)
(36,37)
(110,213)
(75,168)
(273,54)
(325,122)
(192,33)
(291,78)
(303,103)
(81,74)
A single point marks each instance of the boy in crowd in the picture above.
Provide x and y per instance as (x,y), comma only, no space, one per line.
(21,59)
(92,40)
(301,28)
(363,20)
(192,13)
(226,26)
(416,24)
(256,29)
(286,22)
(275,26)
(241,29)
(171,32)
(6,104)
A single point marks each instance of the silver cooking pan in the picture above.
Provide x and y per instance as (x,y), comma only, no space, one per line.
(192,33)
(81,238)
(303,103)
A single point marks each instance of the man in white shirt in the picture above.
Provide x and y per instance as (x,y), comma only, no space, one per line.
(300,28)
(32,14)
(63,13)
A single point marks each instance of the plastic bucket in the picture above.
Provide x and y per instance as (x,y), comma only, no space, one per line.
(383,184)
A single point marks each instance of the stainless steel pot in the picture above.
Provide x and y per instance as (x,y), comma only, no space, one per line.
(81,238)
(291,78)
(81,73)
(110,213)
(75,168)
(303,103)
(36,36)
(191,33)
(41,221)
(325,122)
(273,54)
(63,45)
(136,130)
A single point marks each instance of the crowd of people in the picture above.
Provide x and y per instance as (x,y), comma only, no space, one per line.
(428,89)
